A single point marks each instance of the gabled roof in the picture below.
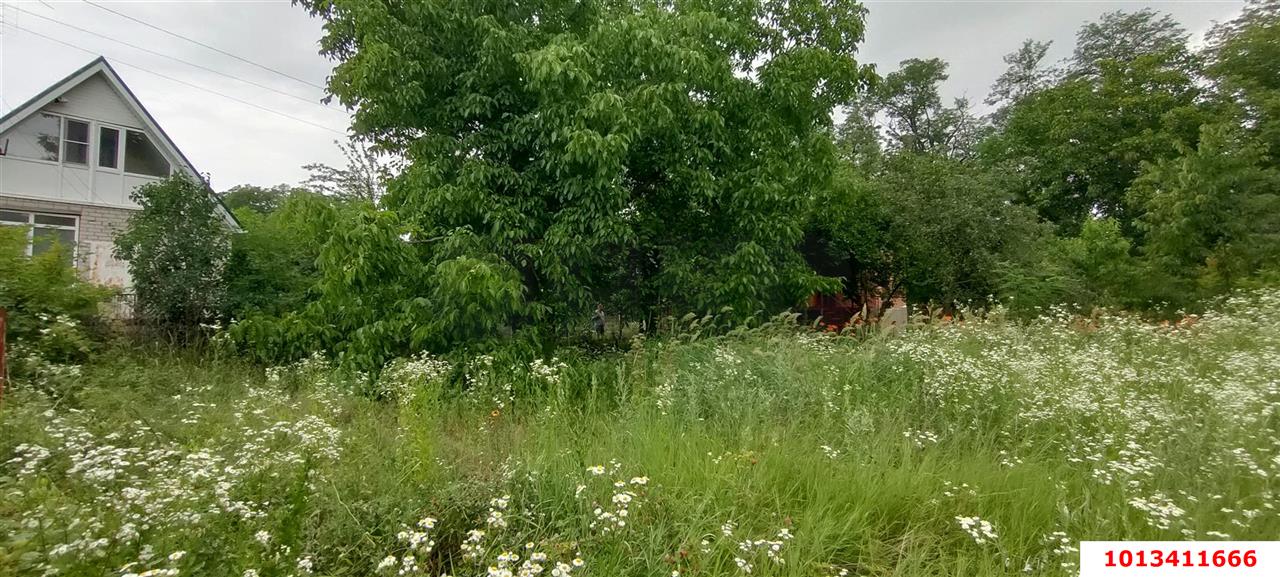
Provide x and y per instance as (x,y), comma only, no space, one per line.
(100,66)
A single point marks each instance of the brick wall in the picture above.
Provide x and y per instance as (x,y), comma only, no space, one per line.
(98,226)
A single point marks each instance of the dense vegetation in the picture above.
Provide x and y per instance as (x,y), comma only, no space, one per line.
(684,159)
(984,448)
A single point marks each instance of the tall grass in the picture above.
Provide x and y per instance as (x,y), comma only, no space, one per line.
(984,448)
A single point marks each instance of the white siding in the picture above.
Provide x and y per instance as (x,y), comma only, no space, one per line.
(95,99)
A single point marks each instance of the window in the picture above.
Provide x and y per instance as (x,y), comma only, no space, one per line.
(108,147)
(35,137)
(75,142)
(47,230)
(142,157)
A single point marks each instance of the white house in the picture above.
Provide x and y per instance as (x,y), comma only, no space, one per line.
(69,159)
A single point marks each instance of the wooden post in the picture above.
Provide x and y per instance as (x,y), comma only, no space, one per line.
(4,368)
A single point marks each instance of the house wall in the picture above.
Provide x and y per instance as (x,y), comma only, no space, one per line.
(95,238)
(95,101)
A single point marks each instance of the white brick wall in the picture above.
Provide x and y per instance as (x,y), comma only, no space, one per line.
(98,227)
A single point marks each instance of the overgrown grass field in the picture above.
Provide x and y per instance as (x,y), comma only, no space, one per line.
(981,448)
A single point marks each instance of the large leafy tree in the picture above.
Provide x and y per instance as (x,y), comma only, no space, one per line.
(951,224)
(1243,54)
(1025,74)
(258,199)
(1123,37)
(664,149)
(272,266)
(1133,94)
(917,119)
(1212,214)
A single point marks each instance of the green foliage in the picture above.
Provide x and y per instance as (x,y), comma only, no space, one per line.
(272,264)
(375,299)
(1242,56)
(667,152)
(1090,270)
(1212,215)
(1123,37)
(1024,74)
(47,303)
(848,234)
(261,200)
(918,122)
(950,226)
(364,179)
(1076,147)
(177,248)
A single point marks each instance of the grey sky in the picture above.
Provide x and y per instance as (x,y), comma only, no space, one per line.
(237,143)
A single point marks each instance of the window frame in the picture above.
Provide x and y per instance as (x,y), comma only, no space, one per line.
(89,148)
(31,229)
(61,121)
(122,133)
(124,143)
(119,167)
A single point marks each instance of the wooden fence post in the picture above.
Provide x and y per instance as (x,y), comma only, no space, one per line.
(4,368)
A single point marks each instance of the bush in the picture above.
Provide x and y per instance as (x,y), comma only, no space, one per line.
(1089,270)
(48,304)
(177,250)
(273,263)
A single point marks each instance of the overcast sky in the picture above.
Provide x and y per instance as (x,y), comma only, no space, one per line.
(237,143)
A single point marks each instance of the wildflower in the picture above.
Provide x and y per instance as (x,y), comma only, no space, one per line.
(980,530)
(262,537)
(250,573)
(177,556)
(596,469)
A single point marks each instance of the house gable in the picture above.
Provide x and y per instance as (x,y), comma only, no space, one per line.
(95,94)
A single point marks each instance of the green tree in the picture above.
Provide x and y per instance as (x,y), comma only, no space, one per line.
(848,233)
(176,248)
(1092,269)
(262,200)
(1076,147)
(917,120)
(272,266)
(951,225)
(363,179)
(857,137)
(47,302)
(1242,55)
(666,150)
(1213,214)
(1132,93)
(1123,37)
(1024,75)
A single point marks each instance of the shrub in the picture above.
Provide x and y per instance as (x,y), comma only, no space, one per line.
(48,304)
(273,263)
(177,249)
